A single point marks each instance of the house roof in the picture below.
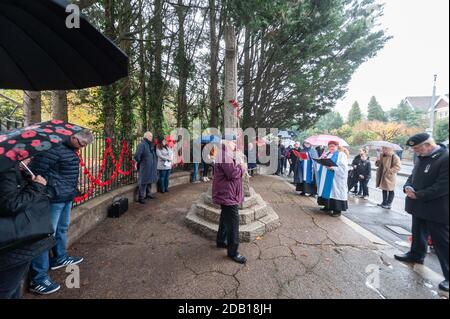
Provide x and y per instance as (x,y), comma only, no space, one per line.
(423,103)
(419,103)
(442,103)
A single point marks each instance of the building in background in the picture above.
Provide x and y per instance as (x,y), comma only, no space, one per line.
(422,104)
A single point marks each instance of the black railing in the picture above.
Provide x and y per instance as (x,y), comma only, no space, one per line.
(7,124)
(92,156)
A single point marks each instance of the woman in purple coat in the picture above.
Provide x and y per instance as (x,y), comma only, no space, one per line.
(228,193)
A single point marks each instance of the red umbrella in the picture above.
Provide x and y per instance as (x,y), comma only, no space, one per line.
(19,144)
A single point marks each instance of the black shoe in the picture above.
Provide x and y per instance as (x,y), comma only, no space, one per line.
(142,201)
(150,197)
(444,285)
(239,259)
(335,214)
(386,206)
(407,258)
(380,205)
(324,209)
(222,245)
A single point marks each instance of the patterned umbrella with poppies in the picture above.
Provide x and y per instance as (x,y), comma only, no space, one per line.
(19,144)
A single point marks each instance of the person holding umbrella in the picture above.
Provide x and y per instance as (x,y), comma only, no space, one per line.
(388,165)
(60,166)
(24,196)
(332,185)
(428,202)
(21,193)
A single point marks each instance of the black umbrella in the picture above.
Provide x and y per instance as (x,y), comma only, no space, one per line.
(20,144)
(38,52)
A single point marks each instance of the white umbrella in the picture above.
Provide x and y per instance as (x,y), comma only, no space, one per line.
(323,140)
(379,144)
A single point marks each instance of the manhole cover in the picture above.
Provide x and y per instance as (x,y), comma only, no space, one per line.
(398,230)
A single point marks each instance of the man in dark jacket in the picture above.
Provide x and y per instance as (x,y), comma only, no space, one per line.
(19,194)
(60,167)
(147,164)
(428,202)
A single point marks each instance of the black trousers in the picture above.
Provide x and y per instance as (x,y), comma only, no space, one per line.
(363,187)
(388,197)
(292,168)
(11,281)
(421,229)
(228,233)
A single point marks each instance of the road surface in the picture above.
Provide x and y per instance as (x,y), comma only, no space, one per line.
(375,219)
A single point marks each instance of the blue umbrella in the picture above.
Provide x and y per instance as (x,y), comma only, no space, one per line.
(206,139)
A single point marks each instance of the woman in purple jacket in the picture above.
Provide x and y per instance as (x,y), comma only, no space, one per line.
(228,193)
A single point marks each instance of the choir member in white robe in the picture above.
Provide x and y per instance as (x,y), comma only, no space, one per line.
(332,189)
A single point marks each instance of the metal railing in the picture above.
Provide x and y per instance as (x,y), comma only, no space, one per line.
(93,155)
(7,124)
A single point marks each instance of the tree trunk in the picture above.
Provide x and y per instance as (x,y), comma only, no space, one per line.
(109,92)
(157,94)
(126,109)
(214,58)
(143,68)
(59,105)
(32,107)
(183,69)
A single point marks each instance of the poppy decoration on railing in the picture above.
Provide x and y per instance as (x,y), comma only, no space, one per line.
(97,180)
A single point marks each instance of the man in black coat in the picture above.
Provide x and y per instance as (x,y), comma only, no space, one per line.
(18,195)
(428,202)
(147,164)
(60,167)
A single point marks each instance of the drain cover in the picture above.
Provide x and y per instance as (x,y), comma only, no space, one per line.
(398,230)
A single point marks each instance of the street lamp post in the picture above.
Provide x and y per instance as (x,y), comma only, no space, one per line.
(433,101)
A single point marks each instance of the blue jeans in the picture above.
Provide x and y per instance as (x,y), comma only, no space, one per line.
(195,172)
(164,180)
(60,219)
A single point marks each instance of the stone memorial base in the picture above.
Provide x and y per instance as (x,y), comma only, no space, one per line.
(256,217)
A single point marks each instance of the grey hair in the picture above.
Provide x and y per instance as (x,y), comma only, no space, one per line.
(147,134)
(430,141)
(85,136)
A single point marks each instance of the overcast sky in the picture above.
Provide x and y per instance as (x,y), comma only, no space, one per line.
(405,67)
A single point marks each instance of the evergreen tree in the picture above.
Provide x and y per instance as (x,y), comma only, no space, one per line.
(355,116)
(330,121)
(441,130)
(404,114)
(375,111)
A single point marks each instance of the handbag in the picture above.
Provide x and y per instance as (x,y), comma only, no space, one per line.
(118,207)
(31,224)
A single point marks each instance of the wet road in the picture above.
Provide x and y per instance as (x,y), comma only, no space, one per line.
(376,219)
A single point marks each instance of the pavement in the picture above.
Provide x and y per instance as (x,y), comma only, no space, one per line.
(150,253)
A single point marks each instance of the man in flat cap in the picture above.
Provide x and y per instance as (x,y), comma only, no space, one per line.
(428,202)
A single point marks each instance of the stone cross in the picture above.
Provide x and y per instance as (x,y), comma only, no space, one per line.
(231,119)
